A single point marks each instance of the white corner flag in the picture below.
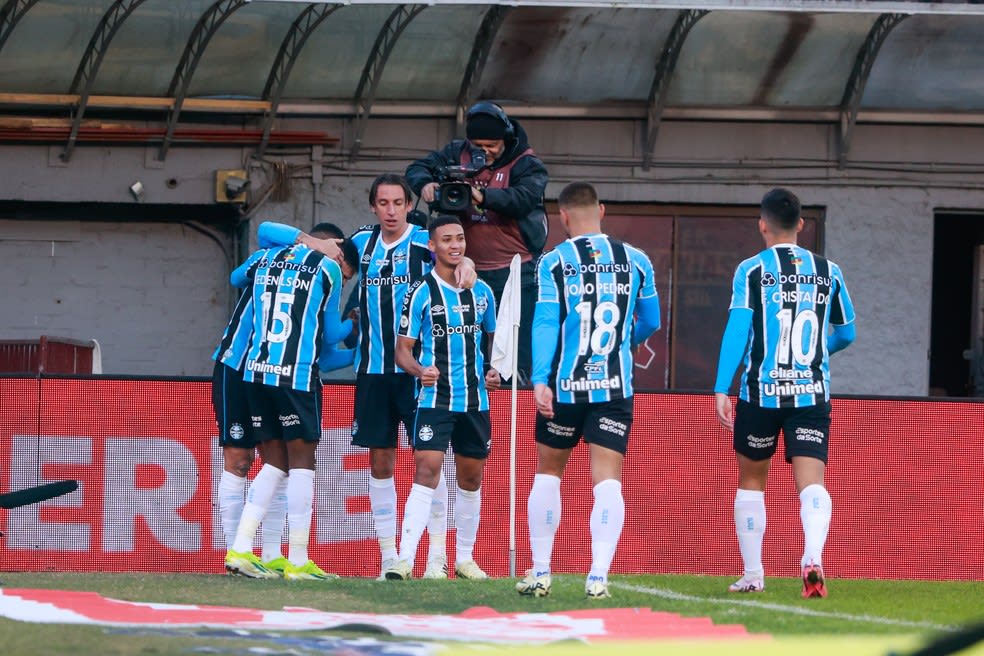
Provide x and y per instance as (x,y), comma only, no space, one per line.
(504,345)
(505,352)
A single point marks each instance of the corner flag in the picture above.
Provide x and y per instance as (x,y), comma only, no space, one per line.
(504,346)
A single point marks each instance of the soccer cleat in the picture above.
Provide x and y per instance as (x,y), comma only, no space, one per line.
(309,571)
(436,569)
(534,585)
(247,564)
(748,584)
(813,583)
(387,564)
(400,570)
(596,588)
(277,565)
(469,569)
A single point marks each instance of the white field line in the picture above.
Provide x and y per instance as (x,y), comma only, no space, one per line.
(793,610)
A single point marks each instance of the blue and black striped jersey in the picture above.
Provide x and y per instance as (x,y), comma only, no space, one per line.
(385,274)
(597,282)
(449,323)
(795,296)
(296,296)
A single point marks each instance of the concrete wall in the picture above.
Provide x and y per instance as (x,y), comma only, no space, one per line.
(879,213)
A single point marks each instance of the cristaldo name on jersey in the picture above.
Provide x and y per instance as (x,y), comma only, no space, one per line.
(600,267)
(588,288)
(384,281)
(267,368)
(792,389)
(816,297)
(287,266)
(790,374)
(590,384)
(294,283)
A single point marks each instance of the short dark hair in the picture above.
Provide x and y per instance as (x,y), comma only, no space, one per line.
(782,207)
(329,230)
(350,253)
(441,220)
(578,194)
(390,179)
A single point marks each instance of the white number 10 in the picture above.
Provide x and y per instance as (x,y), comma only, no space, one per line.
(791,336)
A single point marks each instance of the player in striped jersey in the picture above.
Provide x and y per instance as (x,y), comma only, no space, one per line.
(296,295)
(453,405)
(783,303)
(393,253)
(232,410)
(597,299)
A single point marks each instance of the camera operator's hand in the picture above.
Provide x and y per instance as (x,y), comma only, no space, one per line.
(427,193)
(478,195)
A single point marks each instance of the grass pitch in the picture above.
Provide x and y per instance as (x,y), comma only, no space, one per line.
(859,617)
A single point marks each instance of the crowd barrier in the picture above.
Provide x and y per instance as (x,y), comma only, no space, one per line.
(906,477)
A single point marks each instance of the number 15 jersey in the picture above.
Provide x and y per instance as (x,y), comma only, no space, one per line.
(794,295)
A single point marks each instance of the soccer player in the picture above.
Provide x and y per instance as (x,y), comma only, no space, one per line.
(392,253)
(232,411)
(296,295)
(783,302)
(597,298)
(453,406)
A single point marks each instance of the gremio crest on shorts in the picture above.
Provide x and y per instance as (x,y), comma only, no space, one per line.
(426,433)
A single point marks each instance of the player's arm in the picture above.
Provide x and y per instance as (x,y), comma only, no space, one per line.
(732,350)
(334,329)
(841,338)
(465,274)
(415,304)
(271,233)
(333,358)
(647,319)
(241,276)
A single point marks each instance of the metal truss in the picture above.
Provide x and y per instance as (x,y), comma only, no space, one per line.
(484,39)
(85,75)
(290,49)
(854,90)
(204,30)
(686,19)
(10,15)
(365,94)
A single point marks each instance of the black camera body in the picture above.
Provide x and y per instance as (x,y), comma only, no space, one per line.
(453,195)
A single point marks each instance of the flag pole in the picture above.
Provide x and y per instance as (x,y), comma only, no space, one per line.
(512,456)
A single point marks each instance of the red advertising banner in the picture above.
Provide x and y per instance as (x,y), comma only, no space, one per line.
(905,476)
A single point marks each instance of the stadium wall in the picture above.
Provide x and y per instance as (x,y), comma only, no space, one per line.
(905,477)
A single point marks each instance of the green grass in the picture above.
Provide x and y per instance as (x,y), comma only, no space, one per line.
(859,616)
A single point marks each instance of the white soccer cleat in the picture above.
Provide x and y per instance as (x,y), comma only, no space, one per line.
(436,569)
(469,569)
(534,585)
(754,583)
(400,570)
(388,563)
(596,587)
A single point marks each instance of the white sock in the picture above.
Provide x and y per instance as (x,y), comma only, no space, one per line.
(231,493)
(607,518)
(750,527)
(437,525)
(258,498)
(300,505)
(467,513)
(543,511)
(382,501)
(415,516)
(273,524)
(815,511)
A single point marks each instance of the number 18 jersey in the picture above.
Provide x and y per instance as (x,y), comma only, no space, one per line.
(596,280)
(794,295)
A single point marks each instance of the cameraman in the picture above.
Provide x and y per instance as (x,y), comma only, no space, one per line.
(506,215)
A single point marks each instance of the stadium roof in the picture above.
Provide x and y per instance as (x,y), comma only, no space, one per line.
(830,60)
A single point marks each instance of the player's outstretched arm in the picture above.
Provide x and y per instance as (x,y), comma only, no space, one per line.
(333,358)
(732,347)
(647,319)
(465,274)
(271,233)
